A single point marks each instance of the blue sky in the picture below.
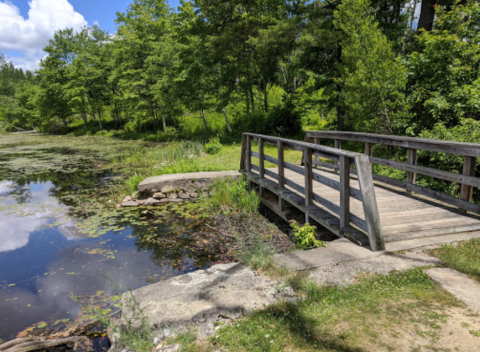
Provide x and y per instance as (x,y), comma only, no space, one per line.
(27,25)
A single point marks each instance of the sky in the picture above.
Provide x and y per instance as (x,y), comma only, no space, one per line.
(26,26)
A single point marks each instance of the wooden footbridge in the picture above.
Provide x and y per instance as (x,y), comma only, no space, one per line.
(337,189)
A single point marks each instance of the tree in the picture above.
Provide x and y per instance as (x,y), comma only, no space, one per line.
(371,79)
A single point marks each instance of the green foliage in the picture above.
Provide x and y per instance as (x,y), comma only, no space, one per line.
(231,196)
(462,257)
(132,183)
(372,80)
(444,74)
(213,146)
(304,236)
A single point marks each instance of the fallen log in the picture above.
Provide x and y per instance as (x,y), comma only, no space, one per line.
(6,345)
(30,346)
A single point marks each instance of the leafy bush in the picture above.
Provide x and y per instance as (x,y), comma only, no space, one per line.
(213,146)
(280,121)
(231,196)
(304,236)
(133,182)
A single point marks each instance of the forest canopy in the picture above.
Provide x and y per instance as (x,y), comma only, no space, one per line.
(267,66)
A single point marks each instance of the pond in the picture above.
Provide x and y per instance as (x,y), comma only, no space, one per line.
(61,236)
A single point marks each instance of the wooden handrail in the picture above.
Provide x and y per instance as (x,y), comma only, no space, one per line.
(371,224)
(467,180)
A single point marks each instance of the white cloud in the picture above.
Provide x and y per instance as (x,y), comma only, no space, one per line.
(30,35)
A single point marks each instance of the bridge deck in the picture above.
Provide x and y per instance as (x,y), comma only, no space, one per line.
(403,216)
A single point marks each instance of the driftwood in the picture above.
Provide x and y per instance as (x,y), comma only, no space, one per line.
(26,344)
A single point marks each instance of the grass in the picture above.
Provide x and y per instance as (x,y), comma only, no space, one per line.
(462,257)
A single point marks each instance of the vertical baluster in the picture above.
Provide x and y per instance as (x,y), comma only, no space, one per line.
(281,175)
(466,191)
(308,182)
(368,151)
(338,145)
(243,166)
(344,192)
(249,161)
(261,161)
(412,159)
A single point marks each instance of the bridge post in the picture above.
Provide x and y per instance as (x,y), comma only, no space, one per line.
(281,175)
(261,161)
(412,159)
(243,166)
(338,145)
(308,182)
(370,207)
(249,160)
(466,191)
(344,192)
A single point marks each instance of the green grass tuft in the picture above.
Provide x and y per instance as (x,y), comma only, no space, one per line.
(463,257)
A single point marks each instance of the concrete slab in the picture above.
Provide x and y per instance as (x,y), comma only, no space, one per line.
(459,285)
(223,292)
(427,241)
(338,251)
(189,181)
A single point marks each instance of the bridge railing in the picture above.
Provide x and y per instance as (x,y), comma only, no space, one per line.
(366,194)
(466,180)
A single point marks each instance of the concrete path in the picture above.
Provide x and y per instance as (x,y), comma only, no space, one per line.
(459,285)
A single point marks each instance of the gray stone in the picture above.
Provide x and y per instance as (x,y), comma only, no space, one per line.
(127,199)
(141,201)
(135,195)
(130,203)
(151,201)
(172,195)
(170,348)
(458,284)
(171,200)
(184,196)
(168,189)
(193,195)
(159,195)
(223,292)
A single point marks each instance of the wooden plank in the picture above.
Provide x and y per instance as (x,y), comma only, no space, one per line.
(466,192)
(412,160)
(249,153)
(308,181)
(261,165)
(344,192)
(281,173)
(460,203)
(428,225)
(468,149)
(427,171)
(271,159)
(372,216)
(434,232)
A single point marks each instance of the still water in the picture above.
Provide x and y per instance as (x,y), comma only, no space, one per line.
(49,252)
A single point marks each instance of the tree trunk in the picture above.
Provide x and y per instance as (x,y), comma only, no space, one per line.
(65,123)
(100,119)
(164,124)
(229,128)
(252,101)
(204,120)
(340,118)
(427,15)
(265,96)
(84,117)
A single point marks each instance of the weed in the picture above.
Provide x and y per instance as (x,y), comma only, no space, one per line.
(133,182)
(231,196)
(304,236)
(213,146)
(463,257)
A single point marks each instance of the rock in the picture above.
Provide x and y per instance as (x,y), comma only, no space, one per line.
(170,348)
(159,195)
(184,196)
(130,203)
(151,201)
(135,195)
(168,189)
(193,195)
(172,195)
(221,293)
(141,201)
(127,199)
(118,206)
(168,200)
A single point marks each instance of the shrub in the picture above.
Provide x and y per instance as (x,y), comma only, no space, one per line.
(304,236)
(133,182)
(230,196)
(213,146)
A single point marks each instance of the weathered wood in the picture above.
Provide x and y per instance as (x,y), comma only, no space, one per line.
(281,173)
(261,157)
(43,345)
(466,191)
(249,153)
(243,165)
(308,181)
(427,171)
(412,160)
(344,191)
(372,217)
(460,203)
(468,149)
